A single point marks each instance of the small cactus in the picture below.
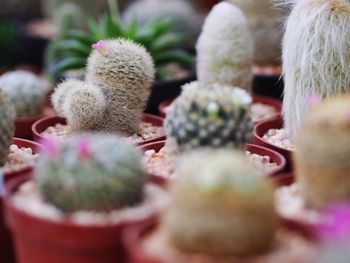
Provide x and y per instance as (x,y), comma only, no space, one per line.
(91,173)
(214,116)
(26,91)
(115,92)
(225,48)
(220,206)
(322,153)
(316,55)
(7,129)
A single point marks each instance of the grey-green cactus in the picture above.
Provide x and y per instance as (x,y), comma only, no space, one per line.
(220,206)
(90,172)
(115,93)
(213,116)
(225,48)
(7,129)
(26,91)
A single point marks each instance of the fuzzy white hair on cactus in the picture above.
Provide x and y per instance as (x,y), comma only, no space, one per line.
(225,48)
(316,55)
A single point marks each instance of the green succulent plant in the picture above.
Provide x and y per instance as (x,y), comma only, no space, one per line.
(155,36)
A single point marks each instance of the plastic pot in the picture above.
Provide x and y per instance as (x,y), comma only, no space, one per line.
(40,240)
(259,131)
(23,126)
(42,124)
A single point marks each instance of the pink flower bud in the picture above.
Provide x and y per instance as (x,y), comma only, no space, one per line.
(84,150)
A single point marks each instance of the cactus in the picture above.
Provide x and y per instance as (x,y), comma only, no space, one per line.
(214,116)
(265,22)
(316,55)
(115,93)
(26,91)
(225,48)
(323,148)
(220,206)
(7,129)
(90,172)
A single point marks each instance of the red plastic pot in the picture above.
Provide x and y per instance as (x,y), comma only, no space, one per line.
(256,99)
(42,124)
(259,131)
(40,240)
(23,126)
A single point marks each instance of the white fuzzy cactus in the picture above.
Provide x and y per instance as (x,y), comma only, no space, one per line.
(316,55)
(225,48)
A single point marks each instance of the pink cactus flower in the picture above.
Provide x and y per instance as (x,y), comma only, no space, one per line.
(84,151)
(98,45)
(312,100)
(50,146)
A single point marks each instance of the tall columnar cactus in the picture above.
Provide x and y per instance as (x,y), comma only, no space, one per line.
(220,206)
(225,48)
(115,93)
(265,23)
(7,129)
(90,172)
(323,148)
(316,55)
(27,92)
(214,116)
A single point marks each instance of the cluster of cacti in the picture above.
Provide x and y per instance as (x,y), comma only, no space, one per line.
(225,48)
(220,206)
(90,172)
(180,12)
(316,55)
(115,92)
(265,23)
(26,91)
(212,116)
(7,129)
(322,151)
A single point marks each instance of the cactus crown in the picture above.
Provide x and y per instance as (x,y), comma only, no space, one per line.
(26,91)
(90,172)
(213,116)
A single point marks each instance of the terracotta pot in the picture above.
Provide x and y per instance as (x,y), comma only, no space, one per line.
(259,131)
(133,236)
(256,99)
(42,124)
(284,179)
(40,240)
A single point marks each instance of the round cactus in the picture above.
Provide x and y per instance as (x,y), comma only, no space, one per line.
(322,151)
(26,91)
(316,55)
(225,48)
(90,172)
(7,129)
(214,116)
(220,206)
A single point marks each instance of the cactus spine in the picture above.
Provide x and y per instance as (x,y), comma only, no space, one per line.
(7,129)
(26,91)
(115,94)
(225,48)
(220,206)
(316,55)
(90,172)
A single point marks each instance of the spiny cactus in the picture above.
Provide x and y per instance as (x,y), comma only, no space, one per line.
(220,206)
(26,91)
(115,93)
(225,48)
(214,116)
(265,23)
(7,129)
(316,55)
(90,172)
(322,153)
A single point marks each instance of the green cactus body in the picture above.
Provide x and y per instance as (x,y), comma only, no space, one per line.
(116,90)
(90,173)
(214,116)
(26,91)
(225,48)
(322,154)
(7,129)
(220,206)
